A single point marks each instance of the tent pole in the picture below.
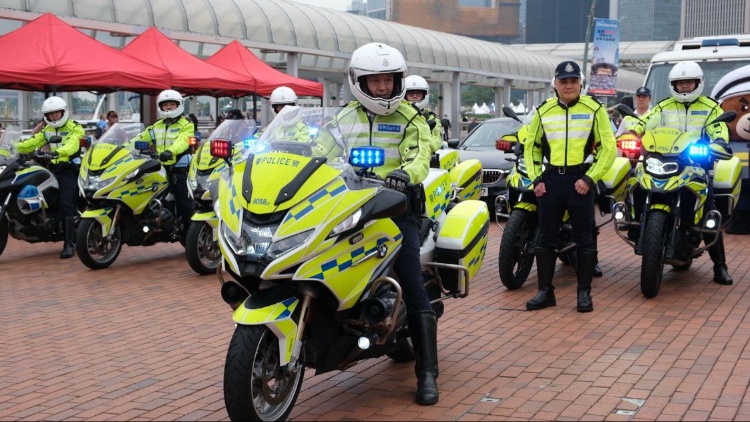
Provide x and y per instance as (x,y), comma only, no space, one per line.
(255,107)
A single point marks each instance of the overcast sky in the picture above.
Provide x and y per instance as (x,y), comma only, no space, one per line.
(331,4)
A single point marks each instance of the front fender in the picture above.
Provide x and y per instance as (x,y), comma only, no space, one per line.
(102,215)
(209,217)
(260,309)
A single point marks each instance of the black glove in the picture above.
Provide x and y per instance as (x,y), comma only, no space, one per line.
(397,180)
(166,156)
(53,154)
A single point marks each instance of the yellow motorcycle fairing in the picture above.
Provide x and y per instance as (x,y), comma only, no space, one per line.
(438,192)
(448,159)
(264,178)
(101,215)
(466,179)
(277,317)
(118,164)
(692,178)
(658,140)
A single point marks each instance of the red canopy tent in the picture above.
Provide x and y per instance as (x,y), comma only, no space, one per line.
(47,54)
(236,57)
(189,74)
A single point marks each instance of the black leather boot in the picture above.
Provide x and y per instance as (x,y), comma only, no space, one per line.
(68,238)
(597,271)
(423,329)
(545,269)
(716,252)
(586,263)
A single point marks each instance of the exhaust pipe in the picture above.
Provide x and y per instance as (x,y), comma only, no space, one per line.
(233,294)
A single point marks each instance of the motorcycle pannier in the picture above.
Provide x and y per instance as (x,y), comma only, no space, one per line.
(467,176)
(727,185)
(614,183)
(462,240)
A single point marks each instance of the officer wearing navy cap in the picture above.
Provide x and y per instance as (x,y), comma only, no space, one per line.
(564,130)
(642,106)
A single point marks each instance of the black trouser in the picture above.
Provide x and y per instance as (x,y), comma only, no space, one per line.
(179,188)
(561,196)
(687,218)
(408,267)
(67,180)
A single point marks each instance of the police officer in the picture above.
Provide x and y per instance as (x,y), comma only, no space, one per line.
(418,93)
(687,109)
(381,117)
(564,130)
(64,163)
(292,127)
(642,107)
(170,137)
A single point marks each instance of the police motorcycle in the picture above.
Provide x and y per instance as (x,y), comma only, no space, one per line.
(128,197)
(29,193)
(310,247)
(201,247)
(673,166)
(519,206)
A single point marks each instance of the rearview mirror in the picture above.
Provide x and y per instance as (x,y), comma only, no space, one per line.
(453,143)
(54,139)
(725,117)
(508,112)
(623,109)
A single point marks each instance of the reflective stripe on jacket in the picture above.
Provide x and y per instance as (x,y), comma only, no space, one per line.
(70,147)
(174,138)
(686,117)
(565,135)
(404,135)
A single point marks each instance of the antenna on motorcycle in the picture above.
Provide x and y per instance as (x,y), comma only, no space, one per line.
(508,112)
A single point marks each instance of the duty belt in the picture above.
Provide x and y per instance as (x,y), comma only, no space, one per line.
(577,169)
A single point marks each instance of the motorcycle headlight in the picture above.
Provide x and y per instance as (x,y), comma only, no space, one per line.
(282,246)
(347,224)
(659,168)
(95,182)
(253,240)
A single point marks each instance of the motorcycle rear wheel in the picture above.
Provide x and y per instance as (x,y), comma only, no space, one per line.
(201,250)
(95,250)
(652,265)
(515,258)
(3,234)
(255,386)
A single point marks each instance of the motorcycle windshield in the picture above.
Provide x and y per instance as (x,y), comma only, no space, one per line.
(671,131)
(11,135)
(306,131)
(240,132)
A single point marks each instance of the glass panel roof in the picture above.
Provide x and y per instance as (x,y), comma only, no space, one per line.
(306,28)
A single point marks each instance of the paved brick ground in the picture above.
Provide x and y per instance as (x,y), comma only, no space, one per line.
(145,340)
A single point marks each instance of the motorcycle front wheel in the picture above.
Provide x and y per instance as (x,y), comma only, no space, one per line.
(201,250)
(256,387)
(94,249)
(652,264)
(516,255)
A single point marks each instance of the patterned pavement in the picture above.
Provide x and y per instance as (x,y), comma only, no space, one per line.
(146,339)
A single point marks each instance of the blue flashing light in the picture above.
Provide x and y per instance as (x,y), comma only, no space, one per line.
(720,42)
(698,151)
(141,145)
(367,157)
(247,142)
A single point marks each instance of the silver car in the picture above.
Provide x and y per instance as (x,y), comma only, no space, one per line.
(480,144)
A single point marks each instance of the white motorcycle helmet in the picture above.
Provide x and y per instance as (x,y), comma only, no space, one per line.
(418,83)
(170,95)
(373,59)
(55,104)
(283,95)
(686,71)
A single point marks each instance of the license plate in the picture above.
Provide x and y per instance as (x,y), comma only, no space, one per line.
(484,192)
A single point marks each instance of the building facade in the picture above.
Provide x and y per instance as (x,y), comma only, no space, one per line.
(561,21)
(649,20)
(715,17)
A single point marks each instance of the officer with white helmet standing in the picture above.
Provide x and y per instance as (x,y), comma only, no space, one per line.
(418,93)
(170,138)
(687,109)
(380,117)
(64,163)
(292,128)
